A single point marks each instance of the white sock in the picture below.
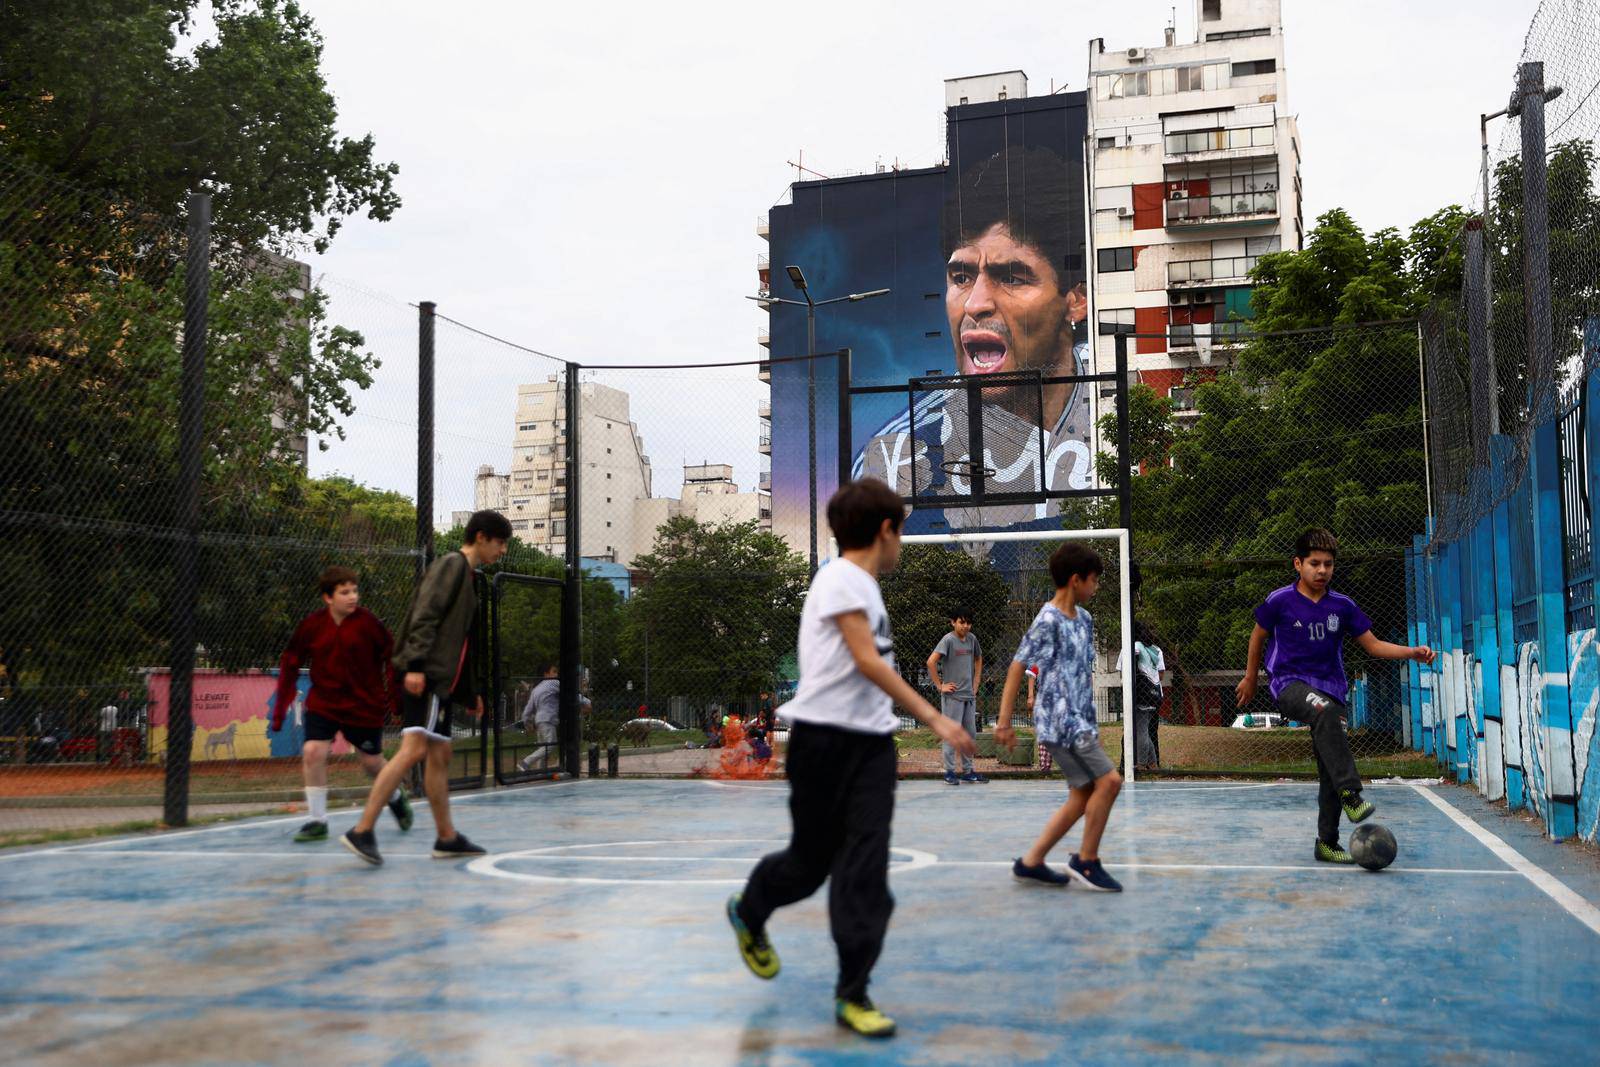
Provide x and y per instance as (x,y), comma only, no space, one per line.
(317,802)
(396,796)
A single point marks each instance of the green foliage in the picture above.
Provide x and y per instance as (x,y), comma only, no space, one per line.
(930,582)
(716,609)
(109,94)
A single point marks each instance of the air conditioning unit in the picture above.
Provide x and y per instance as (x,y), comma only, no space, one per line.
(1124,212)
(1136,54)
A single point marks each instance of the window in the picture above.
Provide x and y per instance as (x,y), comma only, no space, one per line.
(538,526)
(1260,246)
(559,528)
(1235,35)
(1192,79)
(608,476)
(1107,142)
(608,451)
(527,425)
(1115,259)
(544,476)
(1211,10)
(1115,321)
(608,500)
(1255,66)
(963,100)
(608,524)
(1134,83)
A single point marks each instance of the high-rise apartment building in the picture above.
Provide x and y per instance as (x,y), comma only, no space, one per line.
(615,470)
(1194,164)
(709,495)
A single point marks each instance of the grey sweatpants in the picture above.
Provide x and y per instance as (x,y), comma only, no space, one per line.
(963,711)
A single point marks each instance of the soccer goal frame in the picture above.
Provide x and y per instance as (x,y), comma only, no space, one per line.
(1124,590)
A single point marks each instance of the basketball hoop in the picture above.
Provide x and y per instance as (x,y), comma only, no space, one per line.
(966,468)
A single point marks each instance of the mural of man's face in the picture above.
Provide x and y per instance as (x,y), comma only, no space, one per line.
(1006,307)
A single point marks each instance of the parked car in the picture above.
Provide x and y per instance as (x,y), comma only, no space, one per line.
(1259,720)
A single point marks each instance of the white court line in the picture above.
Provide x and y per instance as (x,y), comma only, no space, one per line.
(236,854)
(1329,868)
(249,822)
(1547,883)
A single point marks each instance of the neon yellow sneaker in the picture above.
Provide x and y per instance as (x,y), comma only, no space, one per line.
(1327,853)
(863,1018)
(755,949)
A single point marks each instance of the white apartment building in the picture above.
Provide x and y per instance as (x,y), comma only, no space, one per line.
(1194,164)
(709,495)
(491,491)
(615,474)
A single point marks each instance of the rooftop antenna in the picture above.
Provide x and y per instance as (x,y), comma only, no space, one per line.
(801,170)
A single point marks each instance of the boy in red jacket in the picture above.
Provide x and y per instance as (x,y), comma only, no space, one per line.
(348,650)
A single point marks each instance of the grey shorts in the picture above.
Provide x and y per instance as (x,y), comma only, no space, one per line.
(1080,763)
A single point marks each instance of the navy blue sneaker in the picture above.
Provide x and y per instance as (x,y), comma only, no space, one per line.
(951,779)
(1044,874)
(973,776)
(1093,875)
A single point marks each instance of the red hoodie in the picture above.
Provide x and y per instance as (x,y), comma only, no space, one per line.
(351,680)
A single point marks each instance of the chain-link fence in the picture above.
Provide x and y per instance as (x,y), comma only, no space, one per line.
(1504,584)
(131,547)
(1274,434)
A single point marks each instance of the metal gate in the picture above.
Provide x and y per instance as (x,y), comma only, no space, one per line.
(524,625)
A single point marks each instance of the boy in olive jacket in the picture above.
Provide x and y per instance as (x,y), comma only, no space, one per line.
(431,652)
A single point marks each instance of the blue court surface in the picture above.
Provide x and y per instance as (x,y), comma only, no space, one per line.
(594,934)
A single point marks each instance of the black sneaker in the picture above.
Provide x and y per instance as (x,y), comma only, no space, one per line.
(973,776)
(315,830)
(456,848)
(401,807)
(364,845)
(951,779)
(1044,874)
(1093,875)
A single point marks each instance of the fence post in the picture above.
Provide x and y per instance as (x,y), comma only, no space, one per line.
(1481,361)
(1124,460)
(425,322)
(846,445)
(572,595)
(1423,728)
(1412,687)
(1494,733)
(1559,788)
(186,571)
(1447,581)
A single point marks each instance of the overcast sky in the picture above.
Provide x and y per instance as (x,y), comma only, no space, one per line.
(585,179)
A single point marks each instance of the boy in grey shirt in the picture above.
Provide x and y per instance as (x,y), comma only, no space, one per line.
(956,668)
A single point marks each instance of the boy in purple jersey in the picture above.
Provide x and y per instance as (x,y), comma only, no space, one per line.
(1306,624)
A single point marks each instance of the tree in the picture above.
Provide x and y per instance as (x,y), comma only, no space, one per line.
(716,609)
(108,94)
(1317,428)
(930,582)
(108,119)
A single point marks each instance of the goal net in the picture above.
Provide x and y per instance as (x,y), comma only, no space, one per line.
(1000,580)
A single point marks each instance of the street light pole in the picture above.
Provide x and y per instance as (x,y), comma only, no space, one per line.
(797,276)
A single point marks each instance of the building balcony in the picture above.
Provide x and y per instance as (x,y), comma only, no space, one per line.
(1202,340)
(1200,212)
(1183,408)
(763,262)
(763,230)
(766,444)
(1204,273)
(764,482)
(764,410)
(764,338)
(764,372)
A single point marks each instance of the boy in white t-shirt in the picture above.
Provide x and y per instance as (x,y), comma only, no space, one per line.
(841,759)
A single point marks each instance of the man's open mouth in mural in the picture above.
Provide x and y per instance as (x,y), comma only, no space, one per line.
(984,346)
